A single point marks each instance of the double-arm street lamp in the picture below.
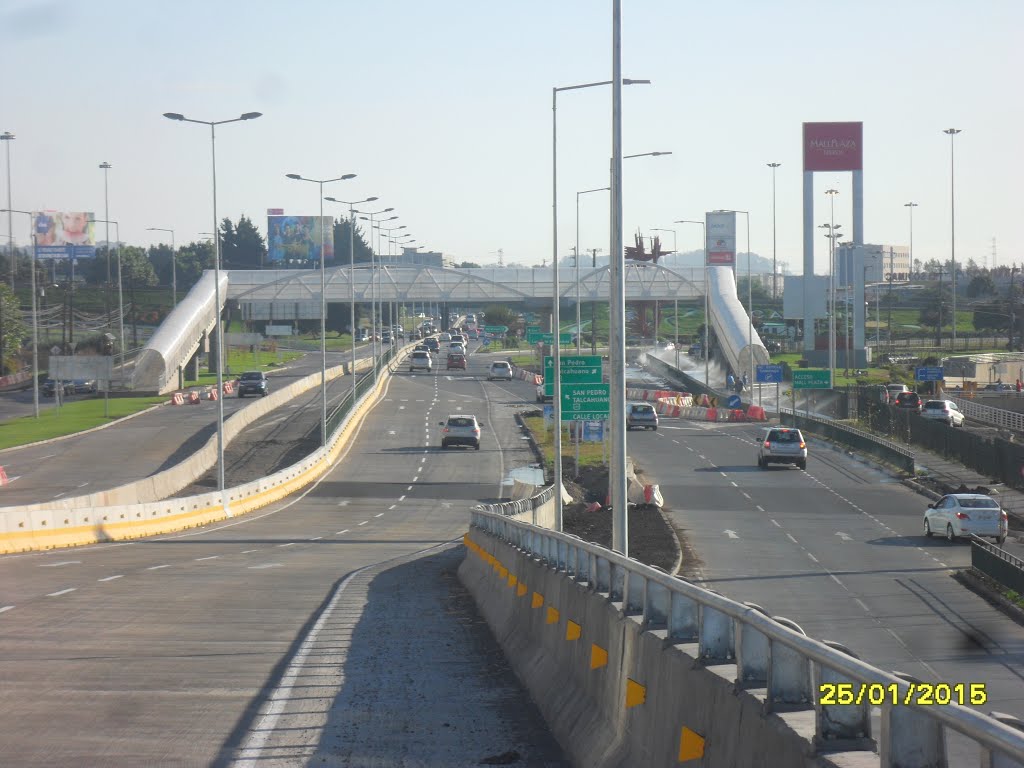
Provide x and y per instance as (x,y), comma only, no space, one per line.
(352,276)
(773,166)
(7,137)
(705,349)
(579,333)
(373,269)
(174,269)
(952,132)
(323,296)
(216,289)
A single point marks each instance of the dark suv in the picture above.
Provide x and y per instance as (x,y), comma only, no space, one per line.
(253,383)
(909,401)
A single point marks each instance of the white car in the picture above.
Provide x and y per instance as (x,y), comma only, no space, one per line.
(420,360)
(444,338)
(457,347)
(963,514)
(499,369)
(943,410)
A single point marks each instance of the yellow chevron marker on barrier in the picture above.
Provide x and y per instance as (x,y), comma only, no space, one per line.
(573,631)
(538,600)
(552,616)
(503,572)
(635,693)
(521,589)
(512,580)
(598,657)
(691,745)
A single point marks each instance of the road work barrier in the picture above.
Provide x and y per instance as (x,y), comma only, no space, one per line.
(177,399)
(94,518)
(631,666)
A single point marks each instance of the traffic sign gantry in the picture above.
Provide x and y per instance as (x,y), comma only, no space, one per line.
(585,402)
(808,378)
(575,369)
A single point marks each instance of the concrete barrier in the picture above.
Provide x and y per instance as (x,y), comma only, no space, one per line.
(45,526)
(632,667)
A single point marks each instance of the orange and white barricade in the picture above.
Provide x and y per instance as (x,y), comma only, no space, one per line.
(193,398)
(212,394)
(3,476)
(177,399)
(229,387)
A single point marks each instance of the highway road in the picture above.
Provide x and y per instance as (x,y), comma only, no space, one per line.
(140,446)
(329,627)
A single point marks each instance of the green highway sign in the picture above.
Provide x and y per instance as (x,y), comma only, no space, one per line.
(496,328)
(806,378)
(585,402)
(549,338)
(532,335)
(532,329)
(575,369)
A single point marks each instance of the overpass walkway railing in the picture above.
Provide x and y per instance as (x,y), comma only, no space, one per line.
(775,654)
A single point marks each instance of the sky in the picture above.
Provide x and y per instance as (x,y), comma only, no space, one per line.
(443,110)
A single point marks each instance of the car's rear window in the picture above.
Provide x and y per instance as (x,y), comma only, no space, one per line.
(502,366)
(456,358)
(787,436)
(644,409)
(939,405)
(251,376)
(978,503)
(460,422)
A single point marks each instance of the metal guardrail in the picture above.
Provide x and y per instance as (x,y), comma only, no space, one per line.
(998,564)
(852,437)
(519,506)
(771,652)
(989,415)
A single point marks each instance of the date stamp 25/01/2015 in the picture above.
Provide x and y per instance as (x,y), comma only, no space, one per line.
(922,694)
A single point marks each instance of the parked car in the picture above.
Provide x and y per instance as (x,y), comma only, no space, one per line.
(641,416)
(455,360)
(943,410)
(909,401)
(499,369)
(963,514)
(253,383)
(420,361)
(782,446)
(49,388)
(460,429)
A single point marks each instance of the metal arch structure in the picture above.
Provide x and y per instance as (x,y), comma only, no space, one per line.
(644,281)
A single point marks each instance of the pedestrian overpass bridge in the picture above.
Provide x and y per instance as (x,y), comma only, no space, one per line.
(285,295)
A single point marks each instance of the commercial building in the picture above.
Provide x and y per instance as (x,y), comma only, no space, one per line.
(879,262)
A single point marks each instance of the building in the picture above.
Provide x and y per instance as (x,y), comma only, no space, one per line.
(881,263)
(412,257)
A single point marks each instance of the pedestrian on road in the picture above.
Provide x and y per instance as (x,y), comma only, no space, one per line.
(730,381)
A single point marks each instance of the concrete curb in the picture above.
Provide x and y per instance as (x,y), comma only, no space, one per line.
(84,431)
(985,588)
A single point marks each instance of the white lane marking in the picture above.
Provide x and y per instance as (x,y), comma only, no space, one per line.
(408,489)
(414,480)
(860,602)
(745,494)
(61,564)
(211,557)
(944,565)
(47,456)
(343,503)
(731,534)
(690,449)
(62,592)
(733,482)
(723,474)
(391,432)
(5,608)
(774,522)
(423,460)
(790,537)
(761,509)
(364,522)
(110,578)
(836,580)
(82,485)
(419,469)
(674,441)
(60,494)
(401,407)
(264,565)
(389,509)
(401,498)
(248,551)
(702,456)
(316,538)
(289,544)
(812,557)
(381,514)
(157,567)
(843,536)
(341,532)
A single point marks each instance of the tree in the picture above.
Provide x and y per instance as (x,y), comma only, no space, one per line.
(160,258)
(228,244)
(499,314)
(12,329)
(467,265)
(991,317)
(250,249)
(136,270)
(192,260)
(931,313)
(981,284)
(341,244)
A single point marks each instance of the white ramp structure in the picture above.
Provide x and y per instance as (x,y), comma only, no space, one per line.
(736,337)
(178,338)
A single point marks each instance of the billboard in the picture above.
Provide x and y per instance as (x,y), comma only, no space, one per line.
(296,239)
(720,249)
(64,234)
(833,146)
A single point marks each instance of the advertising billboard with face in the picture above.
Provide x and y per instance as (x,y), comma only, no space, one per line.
(296,239)
(64,235)
(833,146)
(721,245)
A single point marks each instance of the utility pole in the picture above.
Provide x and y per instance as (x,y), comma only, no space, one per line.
(593,307)
(1013,320)
(938,325)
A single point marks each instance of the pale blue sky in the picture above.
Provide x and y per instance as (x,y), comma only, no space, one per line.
(443,110)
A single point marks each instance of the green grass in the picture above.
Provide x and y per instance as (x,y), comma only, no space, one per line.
(240,360)
(73,417)
(590,453)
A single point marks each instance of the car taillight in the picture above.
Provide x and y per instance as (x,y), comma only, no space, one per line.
(803,445)
(1002,515)
(445,429)
(767,444)
(962,516)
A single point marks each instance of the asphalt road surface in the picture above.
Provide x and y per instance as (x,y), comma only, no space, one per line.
(328,628)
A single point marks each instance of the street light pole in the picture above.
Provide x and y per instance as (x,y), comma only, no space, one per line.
(35,316)
(773,166)
(7,137)
(707,305)
(579,333)
(323,297)
(832,286)
(216,290)
(105,166)
(174,270)
(951,132)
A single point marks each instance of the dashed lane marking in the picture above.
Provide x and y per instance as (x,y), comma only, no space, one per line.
(790,537)
(211,557)
(287,544)
(364,522)
(813,558)
(5,608)
(860,602)
(774,522)
(158,567)
(111,578)
(341,532)
(62,592)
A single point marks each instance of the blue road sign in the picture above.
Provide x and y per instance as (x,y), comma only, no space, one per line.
(769,374)
(930,373)
(734,401)
(593,431)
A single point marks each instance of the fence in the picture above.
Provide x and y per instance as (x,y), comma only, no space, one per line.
(996,416)
(886,450)
(768,652)
(998,564)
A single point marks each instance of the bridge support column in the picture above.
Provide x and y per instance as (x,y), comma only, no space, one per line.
(444,316)
(213,356)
